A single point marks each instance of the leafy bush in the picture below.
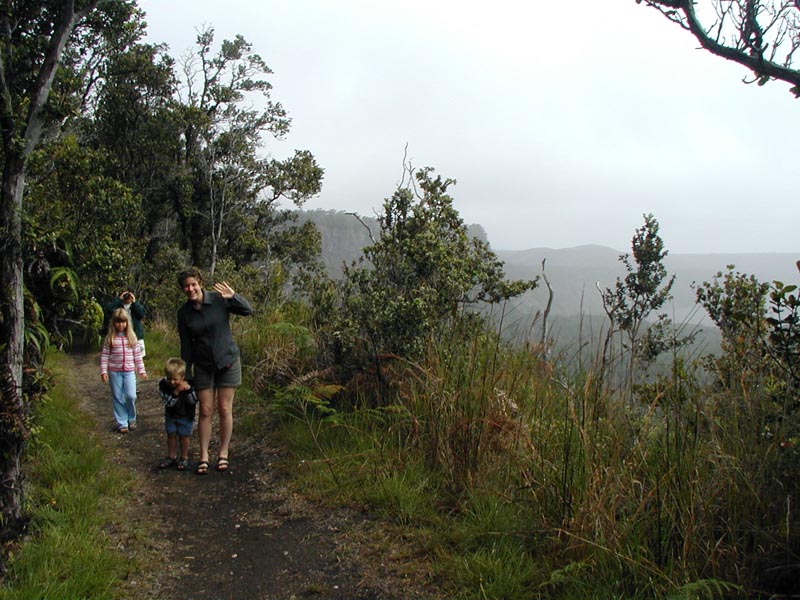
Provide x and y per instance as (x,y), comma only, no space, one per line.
(420,271)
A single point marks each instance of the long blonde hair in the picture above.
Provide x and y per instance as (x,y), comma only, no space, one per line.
(120,314)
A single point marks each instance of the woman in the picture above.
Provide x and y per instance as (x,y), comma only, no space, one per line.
(208,348)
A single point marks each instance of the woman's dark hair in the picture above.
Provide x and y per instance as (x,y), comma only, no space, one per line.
(192,272)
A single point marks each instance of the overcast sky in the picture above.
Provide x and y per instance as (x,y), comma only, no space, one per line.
(562,122)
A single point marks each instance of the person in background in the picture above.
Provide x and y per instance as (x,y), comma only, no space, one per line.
(127,300)
(120,360)
(180,400)
(212,356)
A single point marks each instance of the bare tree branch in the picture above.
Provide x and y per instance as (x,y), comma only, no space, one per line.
(762,35)
(360,220)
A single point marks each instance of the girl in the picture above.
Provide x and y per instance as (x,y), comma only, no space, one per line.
(120,359)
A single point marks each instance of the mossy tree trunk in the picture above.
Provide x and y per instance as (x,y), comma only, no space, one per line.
(28,66)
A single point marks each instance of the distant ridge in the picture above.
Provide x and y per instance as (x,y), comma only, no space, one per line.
(574,273)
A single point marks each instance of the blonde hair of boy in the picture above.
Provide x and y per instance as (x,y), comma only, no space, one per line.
(175,368)
(118,316)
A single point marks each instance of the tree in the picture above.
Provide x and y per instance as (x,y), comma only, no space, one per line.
(135,121)
(643,291)
(77,218)
(35,37)
(736,303)
(762,35)
(234,190)
(421,269)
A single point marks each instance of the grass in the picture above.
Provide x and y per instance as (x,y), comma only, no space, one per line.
(523,481)
(75,501)
(512,478)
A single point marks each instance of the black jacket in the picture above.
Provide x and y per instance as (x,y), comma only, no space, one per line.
(181,406)
(205,333)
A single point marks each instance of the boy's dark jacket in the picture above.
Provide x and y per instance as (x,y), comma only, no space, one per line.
(181,406)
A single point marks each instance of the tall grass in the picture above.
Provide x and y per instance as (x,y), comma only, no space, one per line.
(546,484)
(74,501)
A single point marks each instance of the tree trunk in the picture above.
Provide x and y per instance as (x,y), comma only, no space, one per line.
(20,138)
(13,415)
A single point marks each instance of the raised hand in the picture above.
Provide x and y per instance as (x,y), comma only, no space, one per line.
(224,289)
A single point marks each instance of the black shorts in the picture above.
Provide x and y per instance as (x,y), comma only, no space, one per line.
(230,376)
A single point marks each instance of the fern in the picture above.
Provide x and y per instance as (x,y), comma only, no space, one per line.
(37,336)
(301,401)
(70,280)
(704,588)
(571,574)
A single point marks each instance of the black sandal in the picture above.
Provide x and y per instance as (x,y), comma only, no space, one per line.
(223,463)
(182,464)
(168,463)
(202,468)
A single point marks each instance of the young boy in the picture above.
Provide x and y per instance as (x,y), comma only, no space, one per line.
(180,400)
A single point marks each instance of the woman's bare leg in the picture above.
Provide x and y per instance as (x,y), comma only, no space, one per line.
(225,407)
(205,398)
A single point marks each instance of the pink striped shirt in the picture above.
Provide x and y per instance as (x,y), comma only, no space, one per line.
(121,357)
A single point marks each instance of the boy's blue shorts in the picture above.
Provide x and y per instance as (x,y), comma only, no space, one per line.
(183,427)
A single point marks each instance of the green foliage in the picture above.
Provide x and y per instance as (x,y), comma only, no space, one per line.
(760,348)
(736,303)
(81,236)
(111,25)
(280,351)
(303,402)
(155,172)
(533,482)
(136,123)
(546,487)
(572,580)
(37,337)
(784,337)
(705,588)
(421,270)
(160,173)
(231,205)
(160,291)
(66,278)
(644,291)
(499,573)
(403,497)
(72,497)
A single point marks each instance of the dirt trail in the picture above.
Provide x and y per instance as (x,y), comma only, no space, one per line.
(241,534)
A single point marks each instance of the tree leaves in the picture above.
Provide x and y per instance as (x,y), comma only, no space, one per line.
(421,270)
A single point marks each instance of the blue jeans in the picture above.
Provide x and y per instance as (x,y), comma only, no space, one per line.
(123,392)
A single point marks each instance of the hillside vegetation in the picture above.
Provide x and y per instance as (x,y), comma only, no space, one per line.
(573,272)
(628,464)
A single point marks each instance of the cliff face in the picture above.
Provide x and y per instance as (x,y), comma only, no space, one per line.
(344,235)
